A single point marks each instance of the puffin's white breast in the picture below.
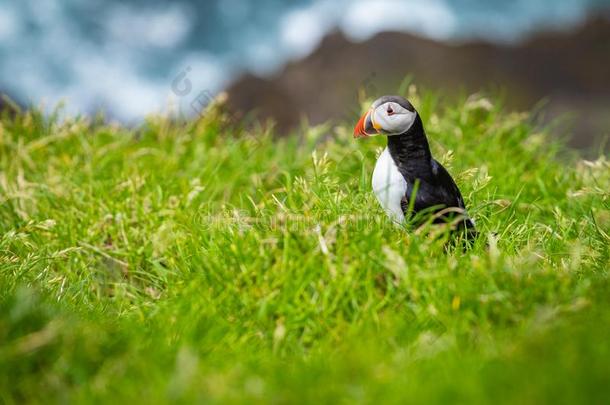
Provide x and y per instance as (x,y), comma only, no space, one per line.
(389,186)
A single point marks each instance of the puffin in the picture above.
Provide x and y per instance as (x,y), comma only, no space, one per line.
(407,180)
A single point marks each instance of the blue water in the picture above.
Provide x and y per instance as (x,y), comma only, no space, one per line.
(135,57)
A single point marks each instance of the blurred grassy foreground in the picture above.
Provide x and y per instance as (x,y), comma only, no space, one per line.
(203,262)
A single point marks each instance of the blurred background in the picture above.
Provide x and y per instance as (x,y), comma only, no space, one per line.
(295,60)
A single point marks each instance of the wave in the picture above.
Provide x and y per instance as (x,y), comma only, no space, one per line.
(125,57)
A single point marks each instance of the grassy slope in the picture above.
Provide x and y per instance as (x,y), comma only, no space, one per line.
(185,262)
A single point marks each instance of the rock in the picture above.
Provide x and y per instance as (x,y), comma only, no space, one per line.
(568,68)
(7,104)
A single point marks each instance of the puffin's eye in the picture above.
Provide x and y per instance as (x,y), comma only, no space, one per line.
(390,110)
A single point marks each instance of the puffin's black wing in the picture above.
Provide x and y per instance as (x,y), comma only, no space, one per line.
(445,185)
(437,189)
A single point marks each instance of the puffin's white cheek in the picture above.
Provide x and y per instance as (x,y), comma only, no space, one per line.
(394,124)
(405,121)
(384,121)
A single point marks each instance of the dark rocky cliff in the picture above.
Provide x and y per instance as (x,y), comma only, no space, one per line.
(569,69)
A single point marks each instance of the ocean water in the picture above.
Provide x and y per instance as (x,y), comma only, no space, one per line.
(131,58)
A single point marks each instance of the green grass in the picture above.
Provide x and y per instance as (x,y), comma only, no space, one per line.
(204,262)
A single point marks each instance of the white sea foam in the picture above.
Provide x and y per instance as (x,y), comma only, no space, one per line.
(432,18)
(124,58)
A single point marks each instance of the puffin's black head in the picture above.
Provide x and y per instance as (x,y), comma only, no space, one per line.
(388,115)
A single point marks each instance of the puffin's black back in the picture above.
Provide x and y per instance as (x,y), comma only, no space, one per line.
(435,186)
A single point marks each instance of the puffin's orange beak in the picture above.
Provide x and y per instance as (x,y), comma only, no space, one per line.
(365,126)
